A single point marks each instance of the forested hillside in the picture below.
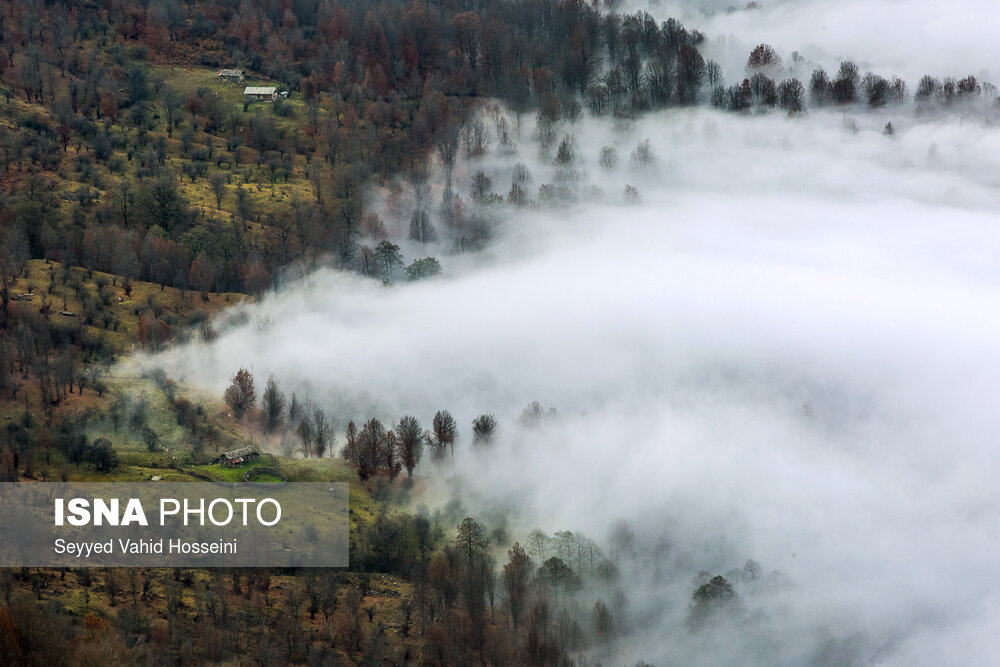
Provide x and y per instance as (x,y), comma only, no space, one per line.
(127,160)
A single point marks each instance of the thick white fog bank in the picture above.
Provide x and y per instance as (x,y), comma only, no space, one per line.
(785,350)
(909,38)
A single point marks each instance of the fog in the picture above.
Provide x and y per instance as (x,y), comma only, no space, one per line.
(784,350)
(908,38)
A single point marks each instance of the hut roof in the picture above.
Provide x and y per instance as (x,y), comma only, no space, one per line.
(241,452)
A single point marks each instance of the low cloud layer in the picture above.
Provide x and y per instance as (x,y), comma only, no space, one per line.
(786,350)
(900,37)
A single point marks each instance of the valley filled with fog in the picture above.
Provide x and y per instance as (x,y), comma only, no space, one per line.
(760,336)
(638,333)
(784,350)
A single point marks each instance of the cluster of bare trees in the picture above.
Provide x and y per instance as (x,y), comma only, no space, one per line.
(373,449)
(769,84)
(523,609)
(49,351)
(301,425)
(932,92)
(651,67)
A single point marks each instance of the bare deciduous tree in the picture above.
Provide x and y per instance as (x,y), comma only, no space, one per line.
(273,402)
(421,229)
(410,437)
(218,182)
(484,428)
(516,578)
(241,395)
(322,432)
(763,59)
(445,434)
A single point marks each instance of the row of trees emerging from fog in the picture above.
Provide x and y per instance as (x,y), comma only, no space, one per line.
(372,449)
(769,83)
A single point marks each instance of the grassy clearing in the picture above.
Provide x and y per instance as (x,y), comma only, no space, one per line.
(251,174)
(363,505)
